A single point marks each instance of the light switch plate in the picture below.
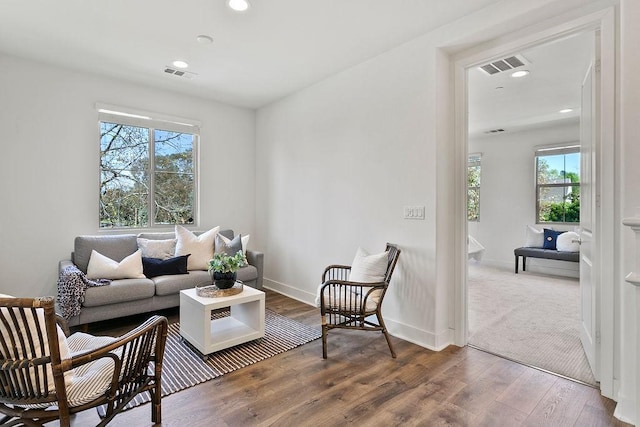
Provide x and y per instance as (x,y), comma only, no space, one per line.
(414,212)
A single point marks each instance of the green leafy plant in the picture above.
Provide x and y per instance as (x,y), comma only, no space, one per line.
(223,263)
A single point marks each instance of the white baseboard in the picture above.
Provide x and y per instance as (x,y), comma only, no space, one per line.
(429,340)
(426,339)
(289,291)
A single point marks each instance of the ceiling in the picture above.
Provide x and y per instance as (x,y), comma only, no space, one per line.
(557,70)
(276,48)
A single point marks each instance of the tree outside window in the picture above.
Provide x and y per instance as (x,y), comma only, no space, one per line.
(147,176)
(473,187)
(558,185)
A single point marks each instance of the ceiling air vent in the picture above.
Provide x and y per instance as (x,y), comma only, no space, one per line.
(504,64)
(179,73)
(492,131)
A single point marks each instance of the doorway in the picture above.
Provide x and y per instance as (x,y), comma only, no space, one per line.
(524,175)
(603,254)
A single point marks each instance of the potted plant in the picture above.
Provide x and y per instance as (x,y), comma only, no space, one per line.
(224,268)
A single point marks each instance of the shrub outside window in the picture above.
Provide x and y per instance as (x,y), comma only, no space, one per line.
(147,172)
(558,185)
(473,187)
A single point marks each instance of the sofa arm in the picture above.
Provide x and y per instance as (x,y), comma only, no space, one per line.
(257,260)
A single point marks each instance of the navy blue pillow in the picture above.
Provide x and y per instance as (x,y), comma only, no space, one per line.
(152,267)
(550,238)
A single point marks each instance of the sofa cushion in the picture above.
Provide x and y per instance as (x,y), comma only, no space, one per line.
(116,247)
(169,285)
(119,291)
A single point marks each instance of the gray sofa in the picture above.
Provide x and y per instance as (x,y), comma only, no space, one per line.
(124,297)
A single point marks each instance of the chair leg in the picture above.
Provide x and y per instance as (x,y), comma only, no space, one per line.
(324,337)
(386,334)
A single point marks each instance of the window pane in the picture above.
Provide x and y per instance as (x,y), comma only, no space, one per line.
(473,187)
(558,169)
(559,204)
(124,178)
(174,178)
(473,204)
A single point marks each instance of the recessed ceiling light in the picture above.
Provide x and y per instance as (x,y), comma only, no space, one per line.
(520,73)
(204,39)
(238,5)
(180,64)
(566,110)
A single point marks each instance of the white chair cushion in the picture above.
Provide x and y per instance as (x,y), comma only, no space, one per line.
(349,301)
(93,379)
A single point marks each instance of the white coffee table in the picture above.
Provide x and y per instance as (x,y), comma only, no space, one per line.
(245,323)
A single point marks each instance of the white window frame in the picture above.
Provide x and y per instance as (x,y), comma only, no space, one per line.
(153,121)
(552,150)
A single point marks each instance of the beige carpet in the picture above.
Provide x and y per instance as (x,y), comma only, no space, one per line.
(527,317)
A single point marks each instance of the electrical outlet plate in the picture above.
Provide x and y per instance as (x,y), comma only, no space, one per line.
(414,212)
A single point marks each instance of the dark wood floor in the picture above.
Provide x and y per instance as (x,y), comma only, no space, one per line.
(361,384)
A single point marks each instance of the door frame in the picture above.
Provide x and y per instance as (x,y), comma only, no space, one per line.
(604,21)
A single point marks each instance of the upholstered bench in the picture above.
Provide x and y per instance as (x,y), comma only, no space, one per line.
(543,253)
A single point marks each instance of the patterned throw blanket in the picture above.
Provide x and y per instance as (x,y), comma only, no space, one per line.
(72,284)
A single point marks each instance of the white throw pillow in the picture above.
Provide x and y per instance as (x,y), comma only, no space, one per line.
(30,325)
(103,267)
(534,238)
(368,268)
(565,243)
(162,249)
(200,247)
(243,239)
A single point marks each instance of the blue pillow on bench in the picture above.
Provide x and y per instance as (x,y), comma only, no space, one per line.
(550,238)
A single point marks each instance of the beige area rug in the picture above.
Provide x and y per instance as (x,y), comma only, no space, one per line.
(530,318)
(184,367)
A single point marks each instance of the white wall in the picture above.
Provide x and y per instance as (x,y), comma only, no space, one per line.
(49,176)
(339,160)
(508,197)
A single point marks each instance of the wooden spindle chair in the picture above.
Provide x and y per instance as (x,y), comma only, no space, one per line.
(36,384)
(345,304)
